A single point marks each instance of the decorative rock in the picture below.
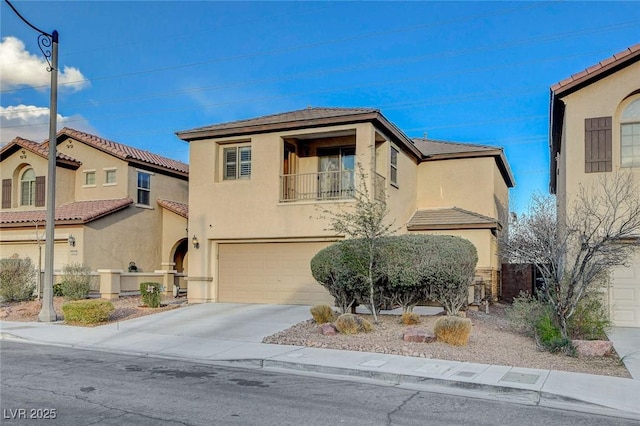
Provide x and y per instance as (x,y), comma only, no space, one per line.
(414,334)
(593,348)
(328,329)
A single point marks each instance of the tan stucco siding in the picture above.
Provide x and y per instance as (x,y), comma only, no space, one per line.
(467,183)
(174,229)
(401,198)
(22,242)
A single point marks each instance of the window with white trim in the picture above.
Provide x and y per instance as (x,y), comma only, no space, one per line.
(630,135)
(144,188)
(28,188)
(394,166)
(90,178)
(110,176)
(236,162)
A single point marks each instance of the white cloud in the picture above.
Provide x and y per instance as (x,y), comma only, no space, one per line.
(21,68)
(32,122)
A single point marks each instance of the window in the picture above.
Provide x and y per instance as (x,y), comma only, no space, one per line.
(237,163)
(394,166)
(630,135)
(336,174)
(90,178)
(110,176)
(28,188)
(144,188)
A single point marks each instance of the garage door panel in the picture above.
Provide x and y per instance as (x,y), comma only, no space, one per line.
(276,273)
(625,295)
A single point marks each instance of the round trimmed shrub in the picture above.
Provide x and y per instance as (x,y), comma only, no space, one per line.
(322,314)
(87,312)
(352,324)
(17,280)
(453,330)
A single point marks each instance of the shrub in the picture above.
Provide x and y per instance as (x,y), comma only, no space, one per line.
(549,337)
(453,330)
(524,313)
(76,281)
(590,321)
(352,324)
(87,311)
(151,294)
(17,280)
(322,314)
(57,290)
(410,318)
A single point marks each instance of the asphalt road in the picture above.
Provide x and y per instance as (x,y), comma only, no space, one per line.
(78,387)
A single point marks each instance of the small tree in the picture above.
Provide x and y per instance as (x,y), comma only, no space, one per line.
(364,221)
(598,233)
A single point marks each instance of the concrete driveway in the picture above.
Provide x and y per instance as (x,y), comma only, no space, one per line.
(626,341)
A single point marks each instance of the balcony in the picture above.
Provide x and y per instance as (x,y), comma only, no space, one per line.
(321,186)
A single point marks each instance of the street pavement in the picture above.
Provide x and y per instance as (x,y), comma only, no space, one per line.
(231,334)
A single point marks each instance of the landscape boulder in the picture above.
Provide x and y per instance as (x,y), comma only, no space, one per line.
(415,334)
(328,329)
(593,348)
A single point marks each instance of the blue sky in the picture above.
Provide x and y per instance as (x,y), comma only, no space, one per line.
(477,72)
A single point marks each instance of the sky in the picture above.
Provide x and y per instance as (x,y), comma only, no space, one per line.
(473,72)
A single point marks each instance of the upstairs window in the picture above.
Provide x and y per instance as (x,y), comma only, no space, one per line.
(110,176)
(394,166)
(144,188)
(90,178)
(28,188)
(630,135)
(237,163)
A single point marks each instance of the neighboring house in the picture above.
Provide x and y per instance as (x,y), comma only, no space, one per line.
(595,129)
(115,204)
(254,208)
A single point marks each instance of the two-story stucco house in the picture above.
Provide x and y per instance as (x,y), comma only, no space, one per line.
(254,207)
(595,129)
(114,204)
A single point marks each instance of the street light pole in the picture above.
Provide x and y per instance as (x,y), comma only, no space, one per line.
(48,44)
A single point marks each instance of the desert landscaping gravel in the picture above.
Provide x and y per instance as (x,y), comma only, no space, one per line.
(491,342)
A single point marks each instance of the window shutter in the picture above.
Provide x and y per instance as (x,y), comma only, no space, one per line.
(6,193)
(230,163)
(40,191)
(597,144)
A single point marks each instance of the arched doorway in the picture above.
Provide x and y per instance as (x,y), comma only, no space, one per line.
(180,255)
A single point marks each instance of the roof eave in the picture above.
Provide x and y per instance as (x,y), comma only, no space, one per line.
(498,154)
(437,227)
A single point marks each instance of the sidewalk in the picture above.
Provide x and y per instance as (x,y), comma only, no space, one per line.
(230,334)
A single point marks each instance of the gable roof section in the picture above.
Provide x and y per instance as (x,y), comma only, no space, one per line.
(38,149)
(299,119)
(181,209)
(445,150)
(450,218)
(78,212)
(126,152)
(572,84)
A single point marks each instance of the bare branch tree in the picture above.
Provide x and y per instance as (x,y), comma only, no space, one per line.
(599,232)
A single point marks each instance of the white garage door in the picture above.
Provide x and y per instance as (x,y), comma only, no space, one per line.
(276,273)
(624,295)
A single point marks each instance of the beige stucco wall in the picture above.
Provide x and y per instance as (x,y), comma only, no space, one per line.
(606,97)
(174,229)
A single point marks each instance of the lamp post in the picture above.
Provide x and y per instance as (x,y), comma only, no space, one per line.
(48,44)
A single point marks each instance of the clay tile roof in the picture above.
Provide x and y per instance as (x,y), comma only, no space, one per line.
(125,152)
(288,117)
(430,147)
(76,212)
(450,218)
(36,148)
(601,69)
(180,209)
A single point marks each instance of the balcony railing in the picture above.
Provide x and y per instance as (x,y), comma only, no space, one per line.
(339,185)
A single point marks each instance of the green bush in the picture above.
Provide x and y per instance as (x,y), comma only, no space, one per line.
(524,313)
(76,281)
(410,318)
(453,330)
(57,290)
(352,324)
(590,321)
(17,280)
(87,311)
(322,314)
(549,337)
(151,294)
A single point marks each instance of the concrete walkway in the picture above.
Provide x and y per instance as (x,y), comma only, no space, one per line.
(626,341)
(231,334)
